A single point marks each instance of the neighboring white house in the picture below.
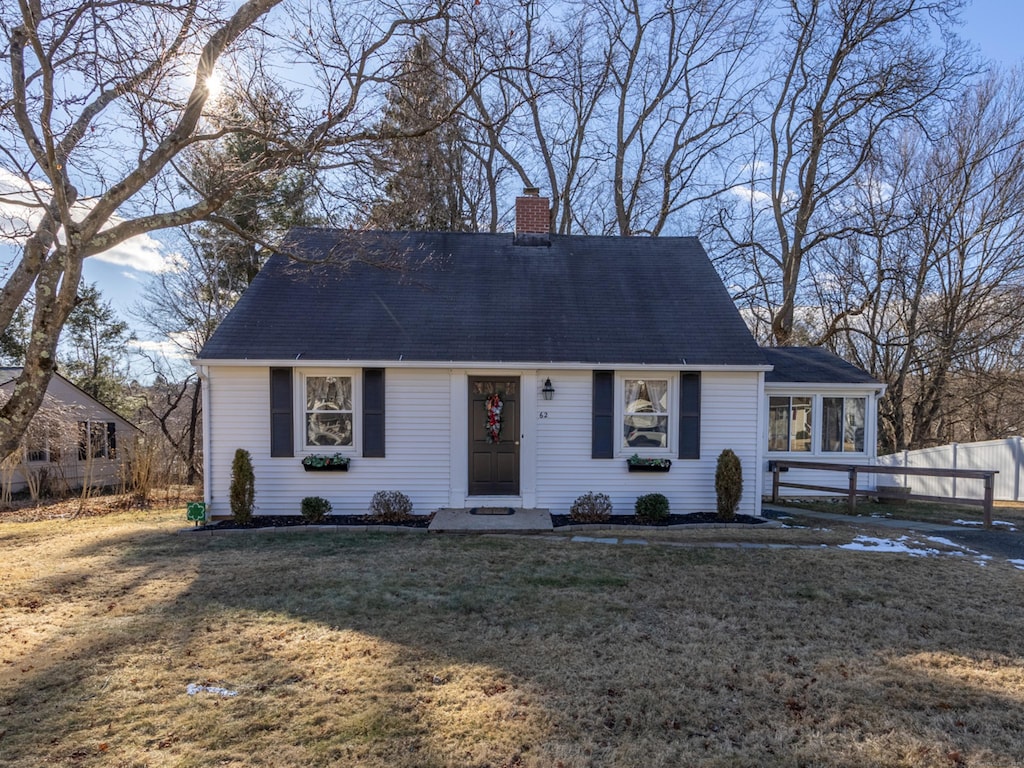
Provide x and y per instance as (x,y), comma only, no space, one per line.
(483,369)
(74,439)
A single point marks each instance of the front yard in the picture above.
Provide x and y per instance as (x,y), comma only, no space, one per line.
(425,650)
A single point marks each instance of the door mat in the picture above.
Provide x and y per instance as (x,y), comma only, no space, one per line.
(492,511)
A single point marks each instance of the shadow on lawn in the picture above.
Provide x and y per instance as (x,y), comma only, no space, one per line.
(596,656)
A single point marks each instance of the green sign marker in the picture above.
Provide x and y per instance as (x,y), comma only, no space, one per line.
(196,511)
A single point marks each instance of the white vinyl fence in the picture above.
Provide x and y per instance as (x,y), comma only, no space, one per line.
(1005,456)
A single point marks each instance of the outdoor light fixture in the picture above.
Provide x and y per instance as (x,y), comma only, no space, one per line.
(547,390)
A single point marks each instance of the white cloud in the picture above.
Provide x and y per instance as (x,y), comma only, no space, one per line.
(20,210)
(756,168)
(142,253)
(748,193)
(166,349)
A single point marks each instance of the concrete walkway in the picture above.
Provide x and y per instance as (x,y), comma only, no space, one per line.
(462,521)
(879,522)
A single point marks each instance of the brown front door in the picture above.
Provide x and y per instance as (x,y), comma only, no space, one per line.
(493,436)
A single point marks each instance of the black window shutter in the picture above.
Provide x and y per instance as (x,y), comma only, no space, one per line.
(282,421)
(603,423)
(112,439)
(373,412)
(83,440)
(689,416)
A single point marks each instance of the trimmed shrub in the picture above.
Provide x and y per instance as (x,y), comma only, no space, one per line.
(243,487)
(315,509)
(728,484)
(652,507)
(591,508)
(390,507)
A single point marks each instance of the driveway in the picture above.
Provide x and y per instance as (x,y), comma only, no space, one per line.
(998,542)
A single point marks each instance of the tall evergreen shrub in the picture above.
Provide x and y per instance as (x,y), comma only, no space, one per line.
(243,487)
(728,484)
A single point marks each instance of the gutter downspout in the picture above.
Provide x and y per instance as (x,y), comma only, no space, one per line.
(760,444)
(204,377)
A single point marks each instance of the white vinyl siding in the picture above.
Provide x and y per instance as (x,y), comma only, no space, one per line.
(565,470)
(426,439)
(416,434)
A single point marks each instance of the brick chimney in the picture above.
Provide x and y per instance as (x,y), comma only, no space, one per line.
(533,218)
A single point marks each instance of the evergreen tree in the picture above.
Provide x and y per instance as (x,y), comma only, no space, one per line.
(95,341)
(419,161)
(14,339)
(264,204)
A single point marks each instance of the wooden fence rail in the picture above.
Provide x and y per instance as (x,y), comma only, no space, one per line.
(852,470)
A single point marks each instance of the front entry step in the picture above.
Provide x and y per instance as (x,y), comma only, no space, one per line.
(463,521)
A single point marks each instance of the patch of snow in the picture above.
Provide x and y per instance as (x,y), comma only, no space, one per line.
(1018,564)
(947,543)
(875,544)
(193,688)
(592,540)
(1009,525)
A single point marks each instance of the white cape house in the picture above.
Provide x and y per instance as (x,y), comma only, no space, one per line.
(471,369)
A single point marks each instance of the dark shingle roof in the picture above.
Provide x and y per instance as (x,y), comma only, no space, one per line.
(812,365)
(480,298)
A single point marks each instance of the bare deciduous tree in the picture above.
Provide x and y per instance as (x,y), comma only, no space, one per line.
(927,291)
(101,100)
(849,73)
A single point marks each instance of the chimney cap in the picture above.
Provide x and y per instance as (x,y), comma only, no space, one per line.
(531,191)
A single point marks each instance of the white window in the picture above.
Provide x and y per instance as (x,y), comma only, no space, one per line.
(842,424)
(37,453)
(97,440)
(647,409)
(816,424)
(328,411)
(789,423)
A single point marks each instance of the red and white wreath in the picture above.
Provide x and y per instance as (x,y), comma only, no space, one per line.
(493,424)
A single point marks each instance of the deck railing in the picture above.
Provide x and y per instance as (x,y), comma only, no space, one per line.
(852,471)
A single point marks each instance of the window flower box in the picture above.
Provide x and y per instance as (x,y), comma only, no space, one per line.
(637,464)
(319,463)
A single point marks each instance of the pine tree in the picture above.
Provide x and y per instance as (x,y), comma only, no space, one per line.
(263,205)
(418,162)
(94,342)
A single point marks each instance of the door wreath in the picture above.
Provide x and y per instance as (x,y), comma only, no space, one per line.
(493,424)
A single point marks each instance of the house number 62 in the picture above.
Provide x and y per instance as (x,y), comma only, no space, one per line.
(542,415)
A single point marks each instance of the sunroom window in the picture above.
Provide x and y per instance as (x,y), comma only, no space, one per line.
(645,414)
(842,424)
(789,424)
(328,410)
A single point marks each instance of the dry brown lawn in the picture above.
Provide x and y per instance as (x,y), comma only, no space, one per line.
(424,650)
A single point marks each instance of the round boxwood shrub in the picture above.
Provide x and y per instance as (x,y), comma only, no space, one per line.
(243,487)
(652,507)
(315,509)
(390,507)
(591,508)
(728,484)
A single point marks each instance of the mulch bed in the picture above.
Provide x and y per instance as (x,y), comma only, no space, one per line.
(287,521)
(691,519)
(423,521)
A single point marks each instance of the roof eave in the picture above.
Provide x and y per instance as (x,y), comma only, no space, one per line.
(476,364)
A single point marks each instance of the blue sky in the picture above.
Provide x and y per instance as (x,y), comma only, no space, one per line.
(994,26)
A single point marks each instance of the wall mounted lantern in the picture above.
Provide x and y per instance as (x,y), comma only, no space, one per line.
(547,390)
